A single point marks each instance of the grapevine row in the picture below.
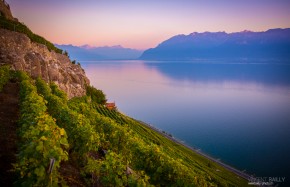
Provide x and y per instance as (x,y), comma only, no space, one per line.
(140,156)
(113,114)
(84,147)
(111,150)
(81,134)
(43,144)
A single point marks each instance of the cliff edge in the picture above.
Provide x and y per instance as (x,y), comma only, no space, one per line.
(18,50)
(5,10)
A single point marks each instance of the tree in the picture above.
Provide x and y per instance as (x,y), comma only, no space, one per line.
(97,95)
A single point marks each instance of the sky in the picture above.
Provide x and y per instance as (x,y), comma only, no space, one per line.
(143,24)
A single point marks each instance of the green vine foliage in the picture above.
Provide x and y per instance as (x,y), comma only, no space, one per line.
(41,140)
(81,134)
(96,95)
(54,90)
(5,75)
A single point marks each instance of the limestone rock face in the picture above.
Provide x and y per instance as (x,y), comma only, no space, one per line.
(5,10)
(17,50)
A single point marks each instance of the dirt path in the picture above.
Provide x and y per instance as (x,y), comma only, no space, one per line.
(9,113)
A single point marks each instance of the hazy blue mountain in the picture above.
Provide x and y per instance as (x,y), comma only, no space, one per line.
(274,43)
(88,53)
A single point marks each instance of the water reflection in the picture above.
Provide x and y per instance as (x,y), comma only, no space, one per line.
(260,73)
(236,112)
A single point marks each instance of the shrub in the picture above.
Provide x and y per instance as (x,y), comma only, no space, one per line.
(97,95)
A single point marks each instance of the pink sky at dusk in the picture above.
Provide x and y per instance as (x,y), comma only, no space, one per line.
(143,24)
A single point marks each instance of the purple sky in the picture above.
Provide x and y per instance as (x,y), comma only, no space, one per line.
(144,24)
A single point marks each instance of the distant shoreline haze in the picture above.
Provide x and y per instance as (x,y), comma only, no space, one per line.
(273,43)
(145,23)
(90,53)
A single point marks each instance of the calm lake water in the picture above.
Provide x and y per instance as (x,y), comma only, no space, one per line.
(236,111)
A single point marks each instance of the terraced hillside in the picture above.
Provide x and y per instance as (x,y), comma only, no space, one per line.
(85,144)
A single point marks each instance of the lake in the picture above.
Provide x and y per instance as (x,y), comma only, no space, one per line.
(234,110)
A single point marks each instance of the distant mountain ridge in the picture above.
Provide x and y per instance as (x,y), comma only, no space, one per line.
(273,43)
(90,53)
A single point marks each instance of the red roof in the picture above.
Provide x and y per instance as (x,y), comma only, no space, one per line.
(110,105)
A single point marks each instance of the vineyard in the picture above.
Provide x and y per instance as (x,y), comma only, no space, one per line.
(102,147)
(113,114)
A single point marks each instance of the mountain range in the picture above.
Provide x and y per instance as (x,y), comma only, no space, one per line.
(89,53)
(273,43)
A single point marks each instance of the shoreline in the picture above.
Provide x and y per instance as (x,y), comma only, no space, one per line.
(226,166)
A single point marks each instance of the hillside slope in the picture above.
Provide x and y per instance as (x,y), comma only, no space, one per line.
(87,53)
(92,145)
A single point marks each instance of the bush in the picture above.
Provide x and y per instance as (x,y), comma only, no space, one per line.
(97,95)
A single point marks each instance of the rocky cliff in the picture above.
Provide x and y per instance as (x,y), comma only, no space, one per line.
(17,50)
(5,10)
